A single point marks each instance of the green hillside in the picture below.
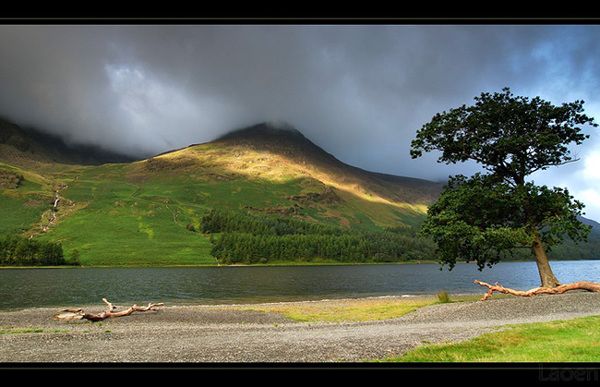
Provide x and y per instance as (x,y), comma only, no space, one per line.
(141,213)
(149,212)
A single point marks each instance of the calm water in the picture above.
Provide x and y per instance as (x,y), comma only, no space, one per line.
(21,288)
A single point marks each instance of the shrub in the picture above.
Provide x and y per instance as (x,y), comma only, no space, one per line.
(74,260)
(443,297)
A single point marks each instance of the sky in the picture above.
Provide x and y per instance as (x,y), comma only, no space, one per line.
(359,92)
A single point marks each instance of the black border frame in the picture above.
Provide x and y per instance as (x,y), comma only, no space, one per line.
(484,373)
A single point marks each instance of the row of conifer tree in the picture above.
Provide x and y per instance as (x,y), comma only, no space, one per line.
(249,238)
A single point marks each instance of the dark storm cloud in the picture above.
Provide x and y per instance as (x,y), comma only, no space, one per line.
(360,92)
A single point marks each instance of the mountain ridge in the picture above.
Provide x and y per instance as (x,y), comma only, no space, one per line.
(145,212)
(149,211)
(35,145)
(290,146)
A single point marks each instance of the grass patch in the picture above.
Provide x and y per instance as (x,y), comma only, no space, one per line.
(443,297)
(365,309)
(22,214)
(575,340)
(346,310)
(18,331)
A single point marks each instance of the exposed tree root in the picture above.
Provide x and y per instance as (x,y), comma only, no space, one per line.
(79,314)
(581,285)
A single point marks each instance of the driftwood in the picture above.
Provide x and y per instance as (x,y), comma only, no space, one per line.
(111,311)
(581,285)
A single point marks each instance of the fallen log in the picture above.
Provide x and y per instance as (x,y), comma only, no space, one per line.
(581,285)
(79,314)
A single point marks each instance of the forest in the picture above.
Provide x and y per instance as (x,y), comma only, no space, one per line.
(241,237)
(248,238)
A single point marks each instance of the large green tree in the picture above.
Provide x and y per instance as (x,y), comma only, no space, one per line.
(486,217)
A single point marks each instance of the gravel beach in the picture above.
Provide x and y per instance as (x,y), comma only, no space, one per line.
(228,334)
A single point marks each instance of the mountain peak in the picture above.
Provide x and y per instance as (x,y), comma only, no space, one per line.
(280,125)
(271,130)
(278,138)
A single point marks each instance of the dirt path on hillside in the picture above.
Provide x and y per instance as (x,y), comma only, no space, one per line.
(225,333)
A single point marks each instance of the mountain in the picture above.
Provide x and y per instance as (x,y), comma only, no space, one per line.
(276,150)
(149,212)
(141,212)
(595,225)
(27,146)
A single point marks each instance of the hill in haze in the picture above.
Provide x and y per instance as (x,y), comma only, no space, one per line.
(19,145)
(152,211)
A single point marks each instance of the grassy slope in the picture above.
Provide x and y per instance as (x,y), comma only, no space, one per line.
(559,341)
(23,207)
(128,223)
(137,213)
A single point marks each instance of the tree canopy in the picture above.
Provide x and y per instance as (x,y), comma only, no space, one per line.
(510,136)
(485,217)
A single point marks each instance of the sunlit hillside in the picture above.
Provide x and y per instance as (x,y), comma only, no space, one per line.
(146,212)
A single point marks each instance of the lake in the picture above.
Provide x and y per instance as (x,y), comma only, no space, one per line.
(20,288)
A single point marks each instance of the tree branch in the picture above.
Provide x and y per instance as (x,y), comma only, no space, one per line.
(553,165)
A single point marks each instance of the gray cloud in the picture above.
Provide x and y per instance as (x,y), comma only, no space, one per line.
(360,92)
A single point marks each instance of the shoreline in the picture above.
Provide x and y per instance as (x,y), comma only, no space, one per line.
(275,264)
(186,303)
(265,333)
(280,264)
(223,304)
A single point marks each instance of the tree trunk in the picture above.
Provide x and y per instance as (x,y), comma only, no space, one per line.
(110,312)
(546,275)
(560,289)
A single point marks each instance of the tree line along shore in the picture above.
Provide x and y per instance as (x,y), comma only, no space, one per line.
(245,238)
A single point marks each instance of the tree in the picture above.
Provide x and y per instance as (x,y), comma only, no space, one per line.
(487,216)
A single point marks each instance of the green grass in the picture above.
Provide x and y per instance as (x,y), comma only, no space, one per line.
(22,207)
(354,310)
(20,213)
(124,216)
(443,297)
(18,330)
(369,309)
(143,234)
(575,340)
(345,310)
(125,224)
(145,224)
